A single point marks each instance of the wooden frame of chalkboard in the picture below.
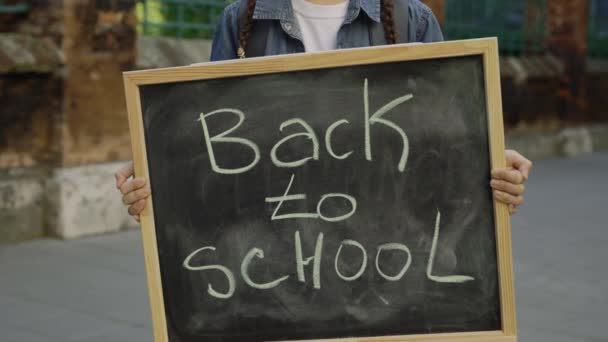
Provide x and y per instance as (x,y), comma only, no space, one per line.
(486,48)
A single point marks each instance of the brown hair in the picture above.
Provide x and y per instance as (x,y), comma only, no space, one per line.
(246,29)
(388,23)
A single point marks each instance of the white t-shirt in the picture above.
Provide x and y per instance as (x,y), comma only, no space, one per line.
(319,24)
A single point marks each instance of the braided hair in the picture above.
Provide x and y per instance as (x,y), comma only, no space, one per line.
(388,23)
(246,29)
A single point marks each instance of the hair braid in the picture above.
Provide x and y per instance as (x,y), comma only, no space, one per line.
(388,21)
(246,29)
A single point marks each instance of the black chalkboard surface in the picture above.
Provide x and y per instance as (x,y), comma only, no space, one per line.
(350,201)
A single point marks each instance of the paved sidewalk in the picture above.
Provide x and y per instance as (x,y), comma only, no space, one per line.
(94,290)
(91,290)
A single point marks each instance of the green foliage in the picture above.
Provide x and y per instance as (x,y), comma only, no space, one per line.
(518,24)
(180,18)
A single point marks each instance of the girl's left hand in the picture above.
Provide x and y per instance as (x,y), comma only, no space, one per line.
(508,183)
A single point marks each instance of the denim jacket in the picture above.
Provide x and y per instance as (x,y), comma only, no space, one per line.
(285,36)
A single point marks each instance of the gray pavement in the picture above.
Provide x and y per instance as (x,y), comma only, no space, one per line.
(94,289)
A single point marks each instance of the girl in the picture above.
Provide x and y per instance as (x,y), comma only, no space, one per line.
(292,26)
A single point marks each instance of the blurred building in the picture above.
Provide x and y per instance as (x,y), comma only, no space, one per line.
(63,125)
(554,51)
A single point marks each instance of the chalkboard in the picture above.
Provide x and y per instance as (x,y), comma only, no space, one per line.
(328,202)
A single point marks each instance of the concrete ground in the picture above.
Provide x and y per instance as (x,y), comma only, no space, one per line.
(94,289)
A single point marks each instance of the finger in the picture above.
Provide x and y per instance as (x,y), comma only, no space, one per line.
(137,207)
(132,185)
(519,162)
(512,209)
(510,188)
(525,168)
(511,176)
(508,198)
(123,174)
(135,196)
(135,217)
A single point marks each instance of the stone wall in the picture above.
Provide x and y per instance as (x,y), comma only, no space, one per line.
(63,117)
(568,26)
(22,204)
(31,89)
(31,84)
(99,44)
(31,95)
(61,70)
(84,201)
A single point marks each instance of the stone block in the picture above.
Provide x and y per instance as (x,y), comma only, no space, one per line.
(576,142)
(534,145)
(43,19)
(599,136)
(84,201)
(23,53)
(569,142)
(21,205)
(163,52)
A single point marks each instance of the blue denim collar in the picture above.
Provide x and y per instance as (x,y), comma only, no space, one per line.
(282,10)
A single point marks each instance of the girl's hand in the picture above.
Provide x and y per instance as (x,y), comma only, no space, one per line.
(134,191)
(508,183)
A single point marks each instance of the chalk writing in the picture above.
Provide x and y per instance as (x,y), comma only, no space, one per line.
(328,134)
(223,138)
(229,275)
(398,247)
(256,252)
(343,206)
(310,134)
(429,268)
(301,262)
(363,260)
(307,133)
(377,118)
(286,197)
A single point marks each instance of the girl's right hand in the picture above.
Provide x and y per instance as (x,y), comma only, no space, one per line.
(135,191)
